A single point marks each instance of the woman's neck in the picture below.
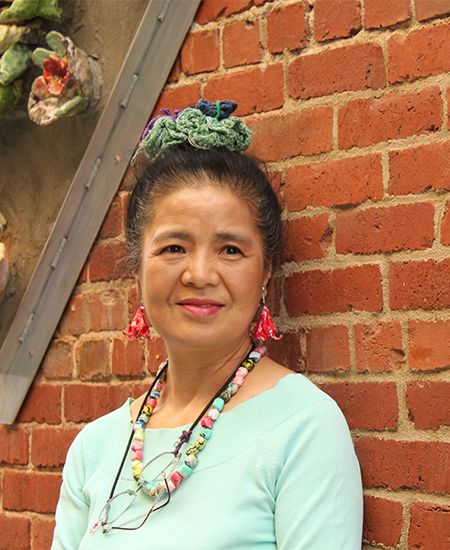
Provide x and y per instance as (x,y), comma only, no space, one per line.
(193,378)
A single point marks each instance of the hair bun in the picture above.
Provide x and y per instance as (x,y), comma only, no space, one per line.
(205,126)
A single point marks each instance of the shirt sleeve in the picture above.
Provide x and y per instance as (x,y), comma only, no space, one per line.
(73,509)
(318,489)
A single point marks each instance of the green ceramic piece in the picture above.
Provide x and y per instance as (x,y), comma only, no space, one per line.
(40,55)
(56,42)
(14,62)
(22,10)
(58,47)
(10,96)
(10,34)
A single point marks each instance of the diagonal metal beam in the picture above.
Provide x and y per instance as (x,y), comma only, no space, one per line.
(151,55)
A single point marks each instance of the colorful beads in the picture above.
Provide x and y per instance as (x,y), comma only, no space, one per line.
(206,433)
(185,470)
(176,478)
(192,450)
(213,414)
(218,403)
(191,461)
(207,422)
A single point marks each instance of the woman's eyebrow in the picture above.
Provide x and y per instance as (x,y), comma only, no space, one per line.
(172,235)
(234,237)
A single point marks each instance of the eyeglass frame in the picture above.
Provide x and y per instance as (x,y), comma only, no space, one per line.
(107,527)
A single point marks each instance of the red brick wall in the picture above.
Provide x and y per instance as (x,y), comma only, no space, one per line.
(349,99)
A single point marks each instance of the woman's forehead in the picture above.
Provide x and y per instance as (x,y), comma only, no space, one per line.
(209,205)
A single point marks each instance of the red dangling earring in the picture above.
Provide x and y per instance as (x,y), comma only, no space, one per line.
(138,327)
(265,327)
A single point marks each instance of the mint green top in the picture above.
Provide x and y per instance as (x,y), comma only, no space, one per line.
(279,472)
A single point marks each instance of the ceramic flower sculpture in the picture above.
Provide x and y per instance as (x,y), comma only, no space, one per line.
(10,34)
(22,10)
(14,62)
(66,85)
(10,96)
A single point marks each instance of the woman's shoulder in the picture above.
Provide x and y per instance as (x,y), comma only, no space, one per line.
(113,422)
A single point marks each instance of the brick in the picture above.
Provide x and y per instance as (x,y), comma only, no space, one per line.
(156,354)
(383,520)
(415,285)
(108,262)
(212,10)
(113,224)
(177,98)
(288,351)
(318,292)
(351,68)
(307,238)
(334,183)
(364,122)
(427,403)
(327,25)
(175,71)
(83,276)
(49,446)
(253,89)
(134,302)
(83,403)
(42,404)
(327,349)
(420,168)
(366,405)
(274,295)
(423,52)
(241,43)
(57,363)
(385,13)
(128,358)
(42,533)
(420,465)
(429,526)
(200,52)
(445,227)
(13,445)
(378,347)
(287,28)
(428,9)
(92,359)
(93,312)
(15,533)
(391,229)
(429,345)
(276,180)
(31,491)
(300,133)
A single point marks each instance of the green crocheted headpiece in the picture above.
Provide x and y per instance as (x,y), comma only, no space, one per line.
(205,126)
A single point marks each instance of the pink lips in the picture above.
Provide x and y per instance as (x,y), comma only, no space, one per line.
(200,307)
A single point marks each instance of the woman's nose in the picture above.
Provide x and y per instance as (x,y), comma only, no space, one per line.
(201,270)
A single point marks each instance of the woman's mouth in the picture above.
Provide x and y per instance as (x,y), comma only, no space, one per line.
(200,307)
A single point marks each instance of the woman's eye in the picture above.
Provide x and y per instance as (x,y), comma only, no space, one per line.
(173,249)
(232,250)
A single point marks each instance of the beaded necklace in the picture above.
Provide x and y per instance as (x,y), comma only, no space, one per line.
(156,489)
(217,403)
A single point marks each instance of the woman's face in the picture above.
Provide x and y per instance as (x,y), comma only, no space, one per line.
(202,268)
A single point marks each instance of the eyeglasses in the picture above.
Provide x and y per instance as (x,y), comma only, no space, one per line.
(154,480)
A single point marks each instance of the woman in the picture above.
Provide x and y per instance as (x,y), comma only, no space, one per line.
(229,449)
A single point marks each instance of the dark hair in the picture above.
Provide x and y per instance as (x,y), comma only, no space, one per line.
(185,166)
